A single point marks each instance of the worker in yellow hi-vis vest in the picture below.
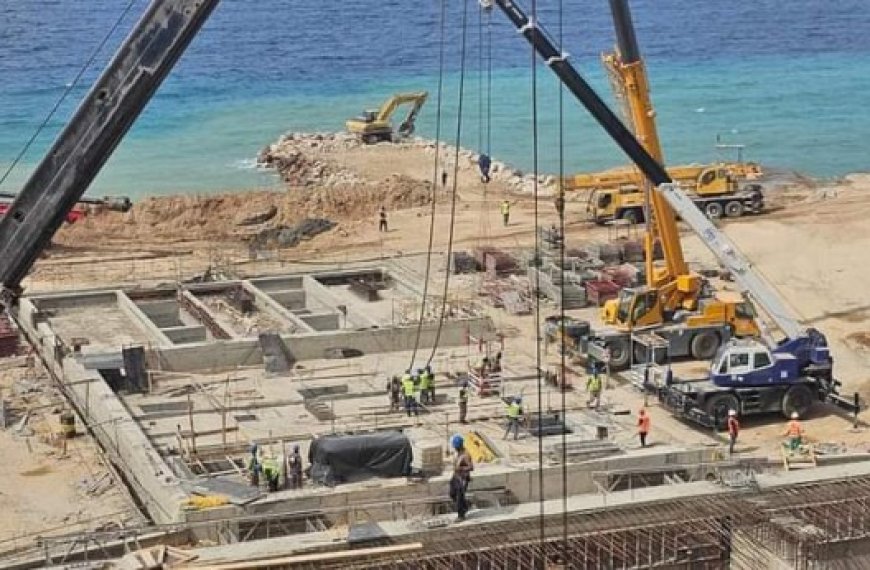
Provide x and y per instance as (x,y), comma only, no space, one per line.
(514,415)
(505,212)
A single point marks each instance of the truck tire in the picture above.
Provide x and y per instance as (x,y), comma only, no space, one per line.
(632,216)
(713,210)
(640,355)
(717,408)
(704,345)
(799,398)
(734,209)
(619,354)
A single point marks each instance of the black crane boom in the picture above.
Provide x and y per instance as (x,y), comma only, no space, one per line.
(102,119)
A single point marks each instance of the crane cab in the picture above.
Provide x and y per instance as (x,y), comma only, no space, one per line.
(749,363)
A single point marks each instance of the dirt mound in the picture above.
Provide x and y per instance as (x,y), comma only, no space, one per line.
(229,216)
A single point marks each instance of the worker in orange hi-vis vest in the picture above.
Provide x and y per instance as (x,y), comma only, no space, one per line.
(642,426)
(794,431)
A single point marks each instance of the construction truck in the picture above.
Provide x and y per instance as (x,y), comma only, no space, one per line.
(786,373)
(716,189)
(82,207)
(376,125)
(750,375)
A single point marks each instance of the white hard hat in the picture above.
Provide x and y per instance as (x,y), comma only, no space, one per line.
(794,415)
(732,412)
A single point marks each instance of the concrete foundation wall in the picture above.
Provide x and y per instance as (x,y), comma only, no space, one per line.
(220,355)
(163,313)
(141,320)
(280,283)
(80,300)
(268,304)
(322,321)
(118,434)
(290,299)
(186,334)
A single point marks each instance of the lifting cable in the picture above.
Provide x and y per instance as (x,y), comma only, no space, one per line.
(456,145)
(534,88)
(66,92)
(484,111)
(560,211)
(435,172)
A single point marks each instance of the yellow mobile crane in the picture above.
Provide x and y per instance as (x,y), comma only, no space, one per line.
(716,189)
(675,305)
(375,125)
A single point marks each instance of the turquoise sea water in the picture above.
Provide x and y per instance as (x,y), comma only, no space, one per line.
(789,80)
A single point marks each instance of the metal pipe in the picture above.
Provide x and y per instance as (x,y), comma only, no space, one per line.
(626,39)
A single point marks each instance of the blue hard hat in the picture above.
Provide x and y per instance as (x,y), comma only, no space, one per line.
(456,441)
(518,399)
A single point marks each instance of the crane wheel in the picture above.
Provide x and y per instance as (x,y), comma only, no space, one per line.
(704,345)
(799,398)
(713,210)
(619,353)
(641,355)
(633,217)
(734,209)
(717,408)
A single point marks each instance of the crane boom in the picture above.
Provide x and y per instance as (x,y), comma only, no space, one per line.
(628,65)
(750,281)
(571,78)
(102,119)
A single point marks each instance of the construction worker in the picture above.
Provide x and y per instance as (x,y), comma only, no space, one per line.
(496,364)
(642,426)
(382,222)
(463,403)
(483,368)
(408,390)
(423,385)
(733,430)
(795,432)
(462,468)
(254,467)
(295,469)
(484,163)
(505,212)
(444,179)
(559,202)
(270,471)
(394,388)
(514,415)
(593,388)
(428,379)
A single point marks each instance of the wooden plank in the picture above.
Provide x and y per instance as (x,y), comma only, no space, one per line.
(147,559)
(319,557)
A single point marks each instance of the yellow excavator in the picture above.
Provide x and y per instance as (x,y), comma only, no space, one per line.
(676,309)
(375,125)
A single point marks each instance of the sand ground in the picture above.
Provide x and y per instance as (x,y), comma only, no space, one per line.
(812,248)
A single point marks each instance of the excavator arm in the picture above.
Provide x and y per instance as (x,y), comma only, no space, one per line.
(102,119)
(390,105)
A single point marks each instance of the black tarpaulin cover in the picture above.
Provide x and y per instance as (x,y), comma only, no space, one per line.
(337,458)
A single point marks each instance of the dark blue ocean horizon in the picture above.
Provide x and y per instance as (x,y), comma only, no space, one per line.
(791,80)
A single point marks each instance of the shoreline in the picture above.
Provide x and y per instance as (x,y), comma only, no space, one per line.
(501,170)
